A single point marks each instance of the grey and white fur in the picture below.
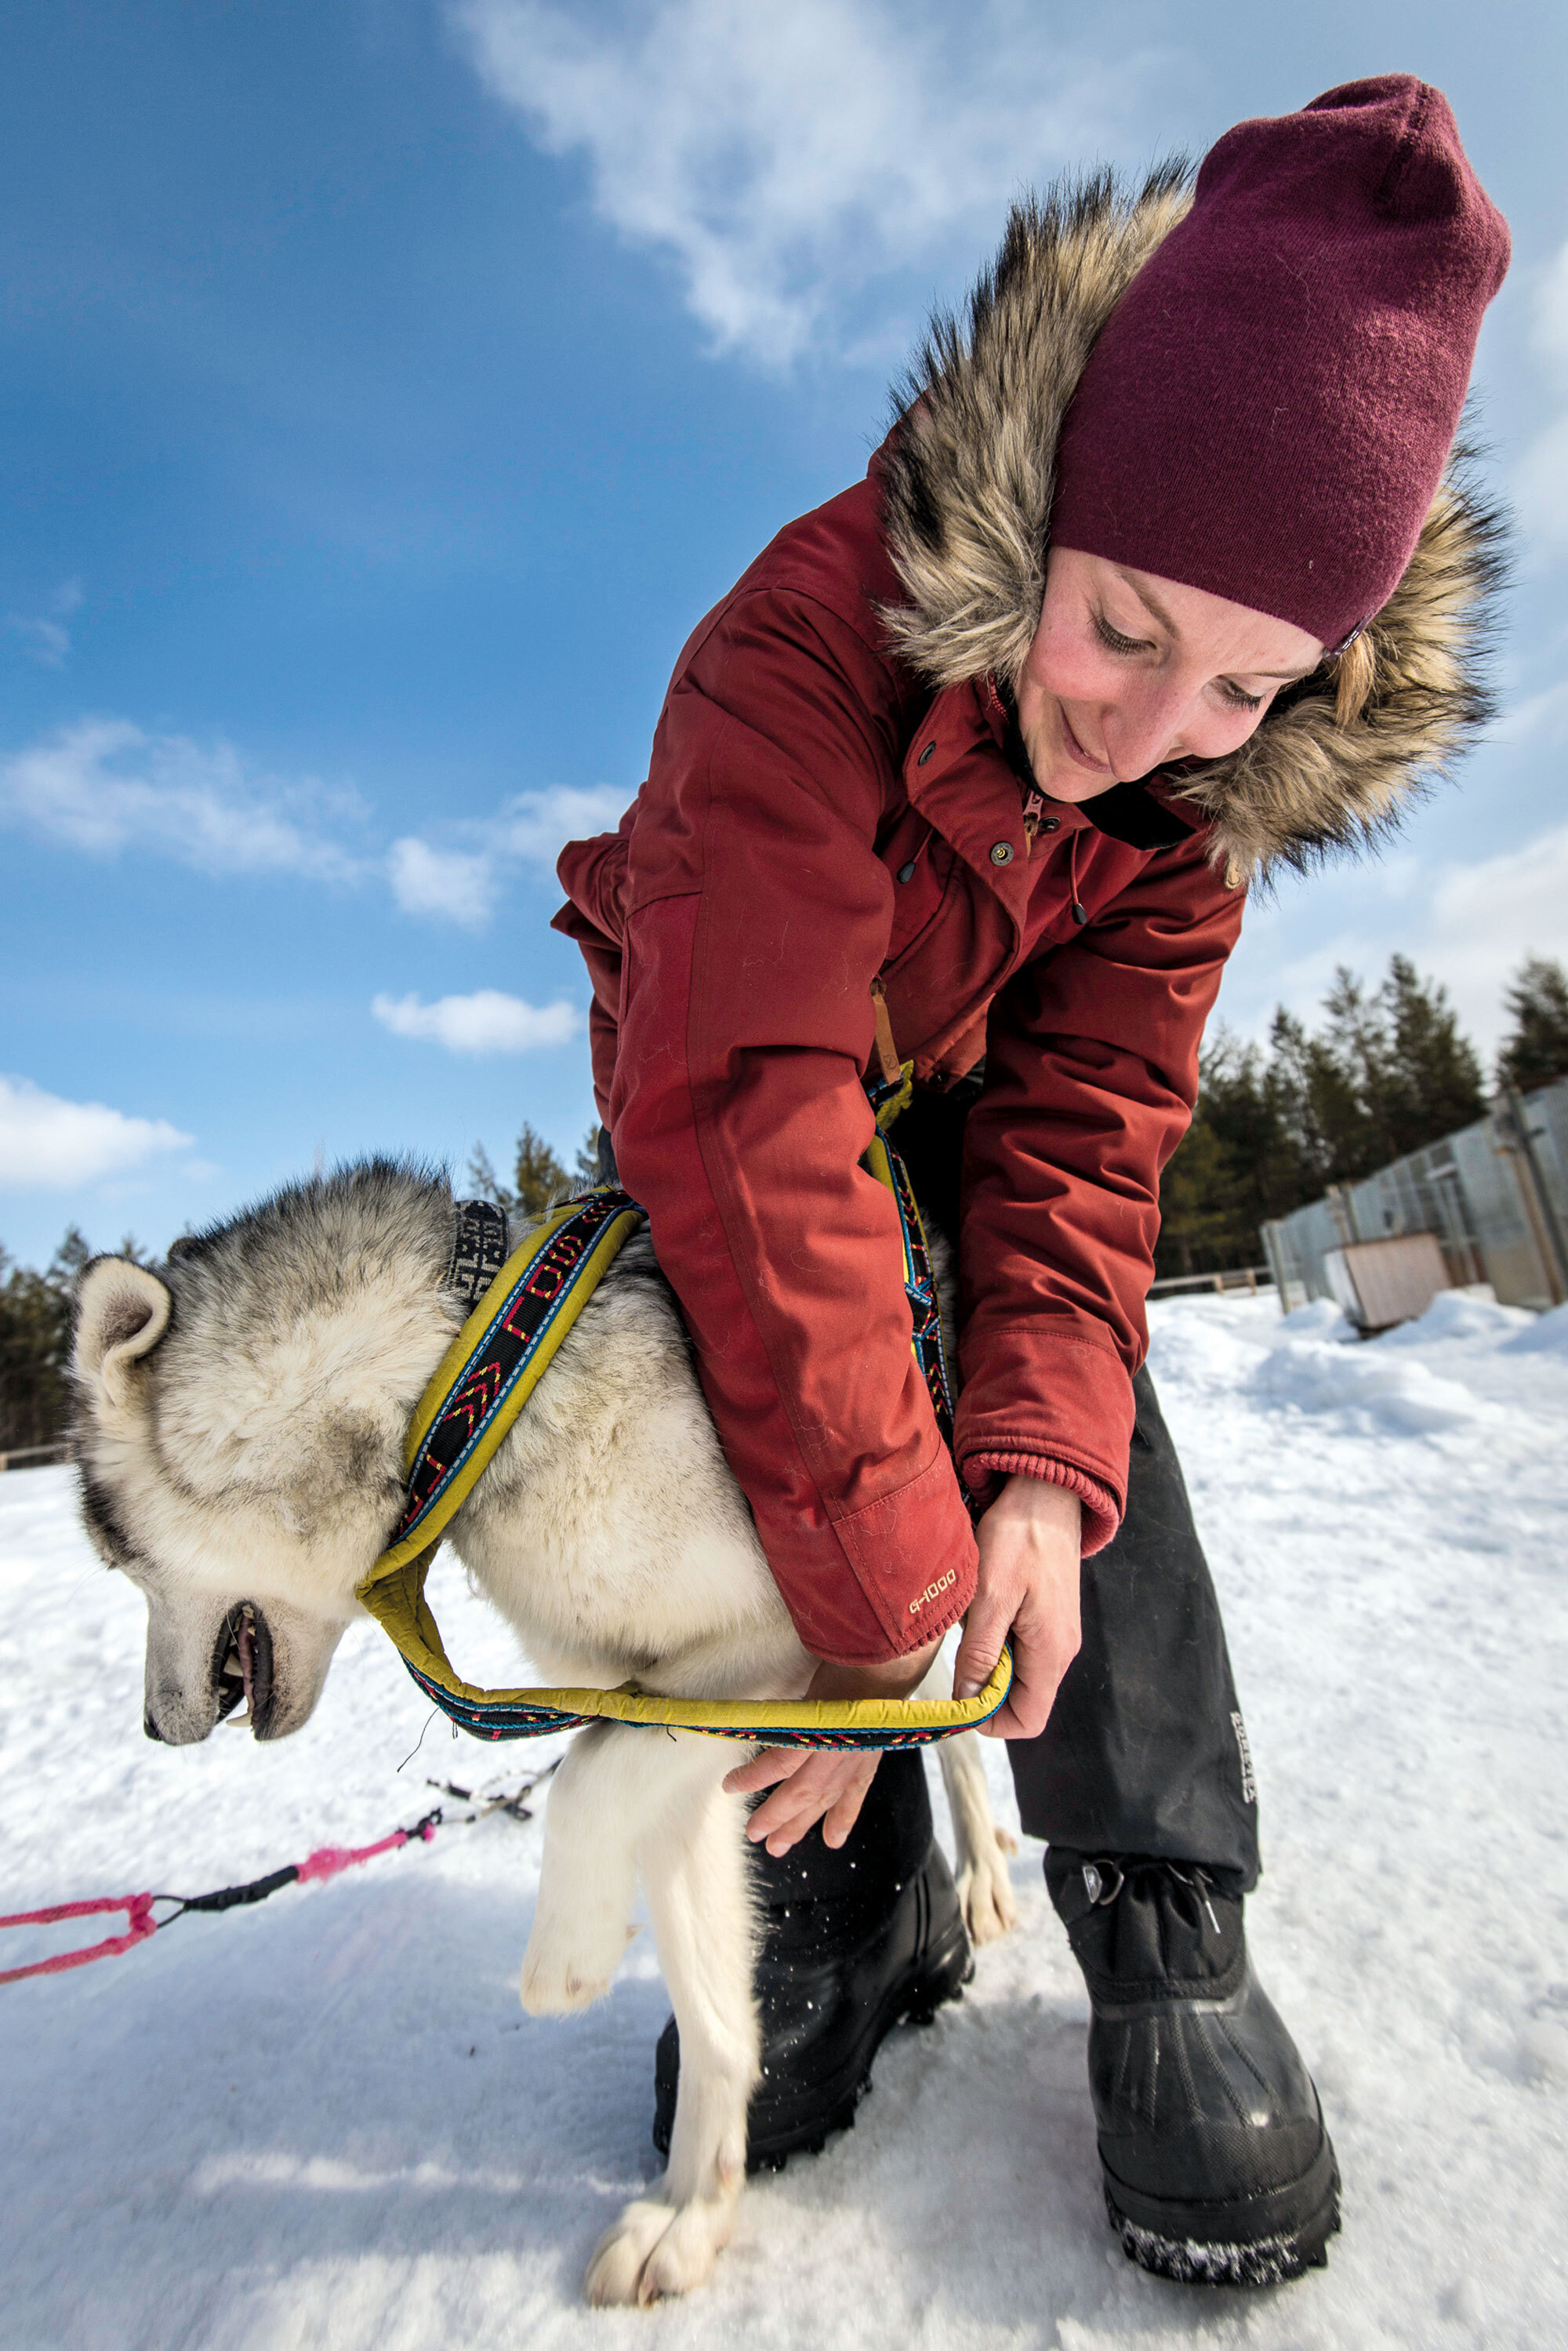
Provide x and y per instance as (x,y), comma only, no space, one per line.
(242,1417)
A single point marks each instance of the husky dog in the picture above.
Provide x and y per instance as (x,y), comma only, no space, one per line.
(242,1417)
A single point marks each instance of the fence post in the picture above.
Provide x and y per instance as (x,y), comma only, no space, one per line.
(1513,1121)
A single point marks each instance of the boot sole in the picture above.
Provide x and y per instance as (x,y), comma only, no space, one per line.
(1255,2243)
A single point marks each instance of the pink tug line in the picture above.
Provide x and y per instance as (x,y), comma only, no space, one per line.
(325,1862)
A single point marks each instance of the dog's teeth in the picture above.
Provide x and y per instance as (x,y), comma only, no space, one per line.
(238,1721)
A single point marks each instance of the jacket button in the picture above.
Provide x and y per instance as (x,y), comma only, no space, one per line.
(1001,852)
(906,873)
(925,754)
(1051,824)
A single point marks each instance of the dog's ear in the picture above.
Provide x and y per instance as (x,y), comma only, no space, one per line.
(123,1311)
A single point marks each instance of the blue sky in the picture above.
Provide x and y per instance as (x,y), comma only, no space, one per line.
(388,387)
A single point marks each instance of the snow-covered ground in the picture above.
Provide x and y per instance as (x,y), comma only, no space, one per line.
(326,2122)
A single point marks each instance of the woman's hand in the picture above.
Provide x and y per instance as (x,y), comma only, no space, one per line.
(1030,1542)
(1031,1545)
(824,1783)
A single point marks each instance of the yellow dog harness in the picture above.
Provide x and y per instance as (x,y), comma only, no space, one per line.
(483,1383)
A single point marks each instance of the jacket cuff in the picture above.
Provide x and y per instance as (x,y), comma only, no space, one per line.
(914,1558)
(983,1473)
(1054,1390)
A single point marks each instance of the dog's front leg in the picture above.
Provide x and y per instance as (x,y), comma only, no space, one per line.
(588,1877)
(696,1874)
(985,1885)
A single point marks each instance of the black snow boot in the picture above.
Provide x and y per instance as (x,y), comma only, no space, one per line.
(853,1941)
(1217,2168)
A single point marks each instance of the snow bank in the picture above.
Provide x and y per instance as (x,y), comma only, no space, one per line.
(1546,1334)
(1402,1396)
(1461,1314)
(1316,1363)
(326,2122)
(1319,1319)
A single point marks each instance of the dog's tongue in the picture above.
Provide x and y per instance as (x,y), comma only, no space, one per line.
(247,1652)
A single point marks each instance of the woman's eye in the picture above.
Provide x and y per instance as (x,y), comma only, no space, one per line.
(1238,700)
(1114,640)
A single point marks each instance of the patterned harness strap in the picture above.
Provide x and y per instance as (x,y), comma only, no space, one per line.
(483,1382)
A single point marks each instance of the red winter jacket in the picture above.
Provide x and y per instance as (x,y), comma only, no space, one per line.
(832,797)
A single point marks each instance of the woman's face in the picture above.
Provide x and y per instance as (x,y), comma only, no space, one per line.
(1128,672)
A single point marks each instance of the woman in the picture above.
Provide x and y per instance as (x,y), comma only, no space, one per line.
(1159,579)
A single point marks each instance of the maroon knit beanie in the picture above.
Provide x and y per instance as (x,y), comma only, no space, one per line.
(1267,411)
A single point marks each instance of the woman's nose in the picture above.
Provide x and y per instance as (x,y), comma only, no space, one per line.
(1144,730)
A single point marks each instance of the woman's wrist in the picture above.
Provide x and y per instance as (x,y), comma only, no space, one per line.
(1039,1501)
(985,1473)
(895,1677)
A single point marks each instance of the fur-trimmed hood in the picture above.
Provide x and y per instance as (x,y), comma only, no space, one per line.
(970,474)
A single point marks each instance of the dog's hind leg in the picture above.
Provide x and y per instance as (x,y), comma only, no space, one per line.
(587,1880)
(696,1873)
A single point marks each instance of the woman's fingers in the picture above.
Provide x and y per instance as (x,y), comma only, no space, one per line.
(1045,1638)
(845,1812)
(774,1763)
(809,1784)
(1028,1591)
(987,1626)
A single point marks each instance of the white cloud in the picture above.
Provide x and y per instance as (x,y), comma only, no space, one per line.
(486,1022)
(461,884)
(536,826)
(785,157)
(449,883)
(48,1142)
(1487,917)
(45,634)
(103,785)
(1540,717)
(1466,923)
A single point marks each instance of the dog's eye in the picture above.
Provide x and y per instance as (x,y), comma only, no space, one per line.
(103,1525)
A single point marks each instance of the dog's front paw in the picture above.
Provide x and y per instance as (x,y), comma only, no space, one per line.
(986,1893)
(655,2249)
(563,1973)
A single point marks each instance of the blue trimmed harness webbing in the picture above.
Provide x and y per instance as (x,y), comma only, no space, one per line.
(482,1383)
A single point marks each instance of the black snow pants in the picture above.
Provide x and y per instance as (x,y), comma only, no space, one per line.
(1145,1752)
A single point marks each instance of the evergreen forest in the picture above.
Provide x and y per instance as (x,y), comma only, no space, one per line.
(1387,1069)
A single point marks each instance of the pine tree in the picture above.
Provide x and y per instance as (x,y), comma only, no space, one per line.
(1536,1050)
(538,1179)
(35,1346)
(487,1184)
(1430,1074)
(1202,1214)
(1321,1085)
(1389,1071)
(1245,1097)
(1350,1065)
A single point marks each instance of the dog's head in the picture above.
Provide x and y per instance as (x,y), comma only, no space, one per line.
(239,1469)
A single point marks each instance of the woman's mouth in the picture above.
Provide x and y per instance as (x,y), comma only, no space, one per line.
(1075,750)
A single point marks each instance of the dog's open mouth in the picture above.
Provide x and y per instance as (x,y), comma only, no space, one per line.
(242,1665)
